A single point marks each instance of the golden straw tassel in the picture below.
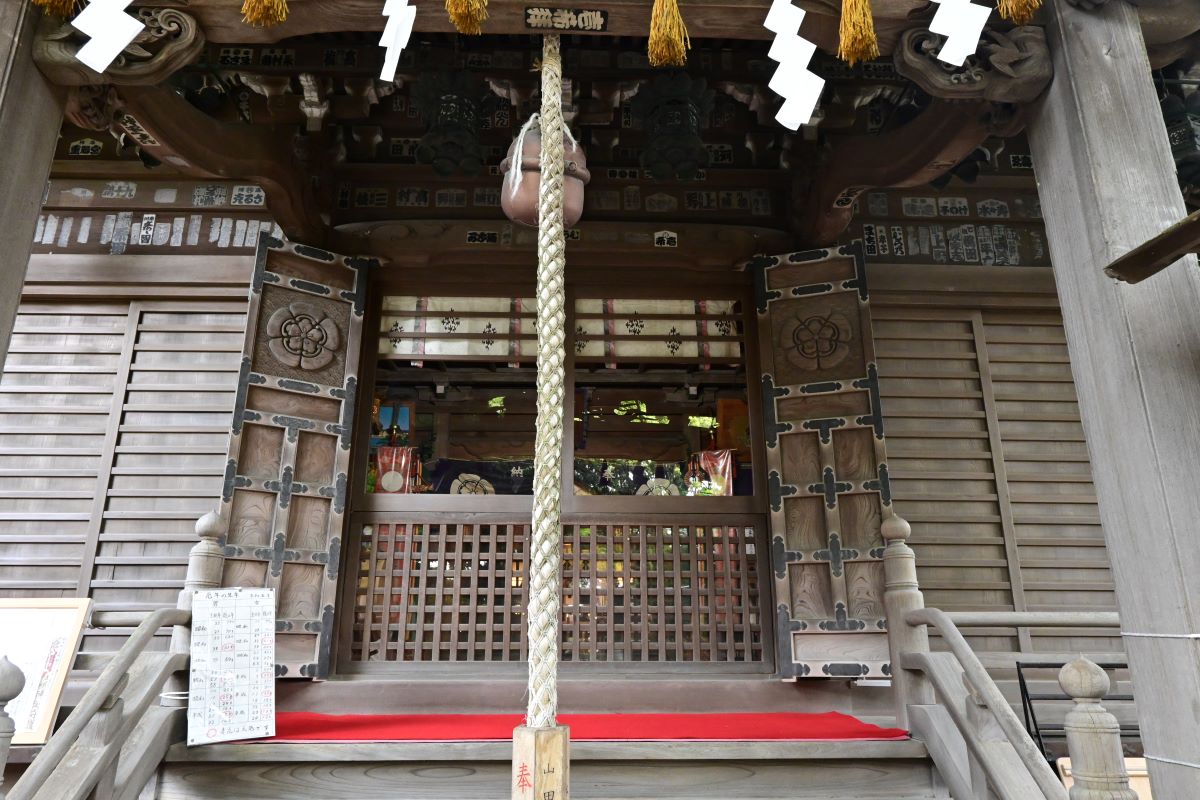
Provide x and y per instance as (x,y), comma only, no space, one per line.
(1019,11)
(59,8)
(467,15)
(264,12)
(856,34)
(669,40)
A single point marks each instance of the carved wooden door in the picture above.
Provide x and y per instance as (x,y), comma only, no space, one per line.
(289,450)
(827,471)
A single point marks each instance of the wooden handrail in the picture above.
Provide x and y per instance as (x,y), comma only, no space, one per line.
(976,674)
(1031,619)
(104,693)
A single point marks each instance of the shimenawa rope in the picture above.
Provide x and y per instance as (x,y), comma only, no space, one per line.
(545,558)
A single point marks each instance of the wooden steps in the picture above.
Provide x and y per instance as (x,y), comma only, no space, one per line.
(734,770)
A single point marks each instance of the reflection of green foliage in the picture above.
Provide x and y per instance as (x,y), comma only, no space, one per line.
(637,409)
(497,404)
(708,423)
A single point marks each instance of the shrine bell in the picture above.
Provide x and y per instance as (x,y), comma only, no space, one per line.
(522,169)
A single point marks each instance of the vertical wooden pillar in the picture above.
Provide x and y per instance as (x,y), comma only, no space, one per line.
(1107,183)
(30,118)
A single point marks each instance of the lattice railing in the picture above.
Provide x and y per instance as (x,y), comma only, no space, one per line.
(663,589)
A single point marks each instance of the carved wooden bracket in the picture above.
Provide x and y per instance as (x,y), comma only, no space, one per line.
(927,147)
(1009,67)
(985,97)
(171,40)
(170,129)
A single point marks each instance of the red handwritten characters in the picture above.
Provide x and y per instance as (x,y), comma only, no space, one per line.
(523,781)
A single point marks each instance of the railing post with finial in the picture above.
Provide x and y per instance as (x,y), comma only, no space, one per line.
(902,595)
(1093,736)
(12,681)
(205,564)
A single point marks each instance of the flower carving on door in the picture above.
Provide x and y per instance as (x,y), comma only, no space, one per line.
(302,336)
(818,341)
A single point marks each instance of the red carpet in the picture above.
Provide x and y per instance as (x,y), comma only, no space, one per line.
(305,727)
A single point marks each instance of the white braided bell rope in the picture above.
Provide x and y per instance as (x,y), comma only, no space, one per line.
(545,558)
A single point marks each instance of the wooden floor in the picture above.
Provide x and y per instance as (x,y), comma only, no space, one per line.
(608,770)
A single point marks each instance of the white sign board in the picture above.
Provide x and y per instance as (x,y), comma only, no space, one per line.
(231,693)
(39,636)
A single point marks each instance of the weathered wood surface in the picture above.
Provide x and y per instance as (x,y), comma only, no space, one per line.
(612,780)
(30,116)
(581,751)
(1165,22)
(288,451)
(1107,184)
(1155,255)
(827,472)
(541,763)
(112,424)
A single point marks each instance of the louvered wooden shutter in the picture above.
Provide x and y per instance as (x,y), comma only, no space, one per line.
(827,474)
(289,451)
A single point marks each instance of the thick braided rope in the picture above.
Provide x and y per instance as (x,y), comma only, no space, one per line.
(545,559)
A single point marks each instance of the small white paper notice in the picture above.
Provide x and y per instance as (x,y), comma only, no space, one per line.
(231,692)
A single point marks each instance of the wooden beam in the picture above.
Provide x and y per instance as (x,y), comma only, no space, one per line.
(1107,184)
(30,116)
(1162,251)
(931,144)
(171,129)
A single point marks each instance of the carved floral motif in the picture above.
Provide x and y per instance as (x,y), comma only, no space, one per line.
(301,335)
(816,342)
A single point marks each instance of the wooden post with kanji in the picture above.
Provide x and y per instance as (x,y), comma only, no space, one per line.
(541,764)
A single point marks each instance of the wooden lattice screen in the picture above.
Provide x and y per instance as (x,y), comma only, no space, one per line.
(289,451)
(437,589)
(827,472)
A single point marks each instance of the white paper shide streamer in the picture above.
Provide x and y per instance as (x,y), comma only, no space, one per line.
(110,30)
(799,87)
(961,22)
(400,17)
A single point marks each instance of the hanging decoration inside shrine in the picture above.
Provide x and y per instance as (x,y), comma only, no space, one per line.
(467,16)
(856,33)
(799,86)
(451,105)
(264,12)
(671,108)
(59,8)
(961,22)
(1019,12)
(522,170)
(396,33)
(669,40)
(110,31)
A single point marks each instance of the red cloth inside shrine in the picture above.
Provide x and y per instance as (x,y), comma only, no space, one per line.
(829,726)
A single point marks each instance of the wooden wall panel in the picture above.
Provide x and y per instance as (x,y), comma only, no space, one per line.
(168,453)
(106,416)
(1056,525)
(56,396)
(989,464)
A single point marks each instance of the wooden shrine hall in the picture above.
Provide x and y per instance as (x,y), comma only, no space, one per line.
(729,397)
